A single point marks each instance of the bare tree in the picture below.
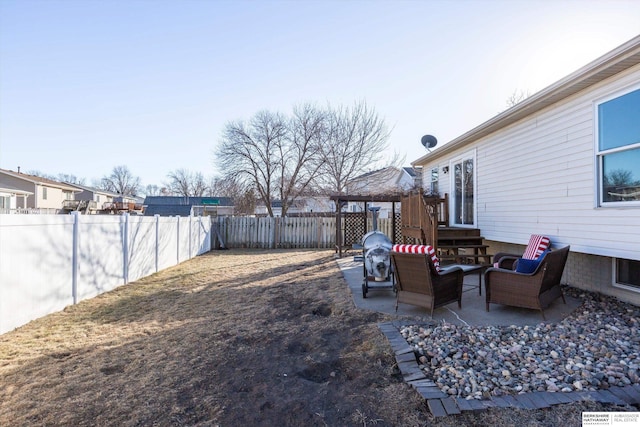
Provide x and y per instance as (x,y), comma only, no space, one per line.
(299,158)
(249,153)
(244,200)
(517,97)
(278,157)
(70,178)
(356,138)
(121,181)
(61,177)
(152,190)
(178,183)
(185,183)
(284,158)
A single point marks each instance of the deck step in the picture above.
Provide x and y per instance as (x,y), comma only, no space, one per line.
(458,231)
(459,242)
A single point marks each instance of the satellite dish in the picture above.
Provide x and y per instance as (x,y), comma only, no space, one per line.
(429,141)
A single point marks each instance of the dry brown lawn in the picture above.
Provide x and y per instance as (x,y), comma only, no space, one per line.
(230,338)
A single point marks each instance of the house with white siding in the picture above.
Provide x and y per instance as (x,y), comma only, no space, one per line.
(388,180)
(564,162)
(98,199)
(9,199)
(42,195)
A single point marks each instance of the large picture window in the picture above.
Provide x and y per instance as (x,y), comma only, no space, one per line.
(619,149)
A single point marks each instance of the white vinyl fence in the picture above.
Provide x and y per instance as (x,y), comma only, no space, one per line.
(48,262)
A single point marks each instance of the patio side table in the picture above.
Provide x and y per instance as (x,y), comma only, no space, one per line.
(469,269)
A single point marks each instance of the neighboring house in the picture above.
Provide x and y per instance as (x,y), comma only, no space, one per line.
(389,180)
(94,198)
(564,162)
(124,204)
(187,206)
(45,195)
(9,199)
(301,206)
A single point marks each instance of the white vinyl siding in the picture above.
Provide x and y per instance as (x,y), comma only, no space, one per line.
(538,175)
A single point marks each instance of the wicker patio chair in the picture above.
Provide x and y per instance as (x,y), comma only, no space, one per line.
(419,282)
(537,245)
(536,290)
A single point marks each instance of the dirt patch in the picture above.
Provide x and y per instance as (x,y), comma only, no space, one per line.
(239,337)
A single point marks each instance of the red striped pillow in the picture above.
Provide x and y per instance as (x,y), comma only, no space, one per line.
(537,245)
(419,249)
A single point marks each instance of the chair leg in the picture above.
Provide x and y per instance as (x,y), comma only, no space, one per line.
(562,295)
(487,306)
(543,316)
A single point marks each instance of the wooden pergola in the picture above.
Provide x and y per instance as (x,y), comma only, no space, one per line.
(341,199)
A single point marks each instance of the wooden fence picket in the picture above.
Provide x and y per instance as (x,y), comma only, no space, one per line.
(293,232)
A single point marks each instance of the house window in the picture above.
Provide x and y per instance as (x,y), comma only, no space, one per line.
(5,202)
(433,187)
(627,273)
(618,150)
(44,193)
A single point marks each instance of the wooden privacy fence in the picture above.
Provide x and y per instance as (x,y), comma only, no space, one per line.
(272,233)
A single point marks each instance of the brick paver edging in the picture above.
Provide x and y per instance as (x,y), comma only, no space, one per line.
(441,404)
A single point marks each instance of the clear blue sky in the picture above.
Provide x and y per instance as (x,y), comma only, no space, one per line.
(89,85)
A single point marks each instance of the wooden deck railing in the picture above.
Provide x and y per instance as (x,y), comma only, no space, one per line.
(421,216)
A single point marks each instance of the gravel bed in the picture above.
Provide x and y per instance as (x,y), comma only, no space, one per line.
(596,347)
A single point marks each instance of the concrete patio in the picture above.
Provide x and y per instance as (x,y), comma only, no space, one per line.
(473,313)
(473,310)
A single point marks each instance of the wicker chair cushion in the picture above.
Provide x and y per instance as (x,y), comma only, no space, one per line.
(537,245)
(528,266)
(419,249)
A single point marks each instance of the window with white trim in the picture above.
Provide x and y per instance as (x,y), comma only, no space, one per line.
(618,150)
(433,185)
(627,274)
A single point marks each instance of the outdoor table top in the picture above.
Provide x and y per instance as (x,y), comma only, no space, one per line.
(467,268)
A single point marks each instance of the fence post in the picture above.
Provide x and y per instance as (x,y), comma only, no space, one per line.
(125,246)
(74,257)
(157,217)
(178,240)
(190,237)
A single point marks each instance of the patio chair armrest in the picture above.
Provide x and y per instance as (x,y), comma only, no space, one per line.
(505,260)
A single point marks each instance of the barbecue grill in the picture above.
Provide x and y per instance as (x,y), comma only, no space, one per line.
(376,259)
